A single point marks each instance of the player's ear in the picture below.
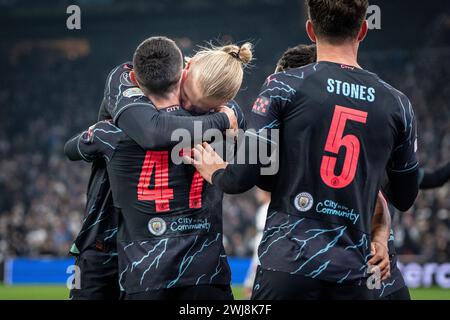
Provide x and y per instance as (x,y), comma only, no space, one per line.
(188,64)
(184,73)
(310,31)
(133,77)
(186,68)
(178,86)
(363,31)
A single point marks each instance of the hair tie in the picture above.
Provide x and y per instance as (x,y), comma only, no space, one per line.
(236,54)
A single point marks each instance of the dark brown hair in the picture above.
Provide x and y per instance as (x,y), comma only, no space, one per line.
(297,57)
(157,64)
(337,20)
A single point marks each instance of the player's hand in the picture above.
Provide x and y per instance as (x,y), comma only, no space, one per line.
(380,259)
(205,160)
(231,116)
(90,133)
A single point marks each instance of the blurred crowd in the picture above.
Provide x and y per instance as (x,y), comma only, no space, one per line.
(42,195)
(425,229)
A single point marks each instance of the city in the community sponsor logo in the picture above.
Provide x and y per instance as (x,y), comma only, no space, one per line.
(190,224)
(331,207)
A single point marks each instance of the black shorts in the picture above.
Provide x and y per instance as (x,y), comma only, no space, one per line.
(401,294)
(200,292)
(275,285)
(99,279)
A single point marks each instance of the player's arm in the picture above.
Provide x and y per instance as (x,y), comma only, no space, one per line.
(103,113)
(228,144)
(98,141)
(230,178)
(264,121)
(381,227)
(434,179)
(266,183)
(403,167)
(402,189)
(72,148)
(153,129)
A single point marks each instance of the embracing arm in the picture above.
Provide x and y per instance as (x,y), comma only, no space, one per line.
(236,178)
(152,129)
(72,148)
(134,113)
(257,154)
(434,179)
(98,141)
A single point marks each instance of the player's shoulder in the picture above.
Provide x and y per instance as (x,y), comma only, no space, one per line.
(121,93)
(232,104)
(119,83)
(290,81)
(390,89)
(120,74)
(397,99)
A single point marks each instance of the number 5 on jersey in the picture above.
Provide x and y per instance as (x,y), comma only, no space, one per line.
(335,141)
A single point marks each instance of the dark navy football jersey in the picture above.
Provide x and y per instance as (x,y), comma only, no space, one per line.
(117,82)
(99,226)
(170,231)
(339,129)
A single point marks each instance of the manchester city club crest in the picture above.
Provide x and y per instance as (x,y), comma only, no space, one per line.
(157,226)
(125,79)
(303,201)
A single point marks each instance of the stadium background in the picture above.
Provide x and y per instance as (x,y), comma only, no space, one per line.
(52,82)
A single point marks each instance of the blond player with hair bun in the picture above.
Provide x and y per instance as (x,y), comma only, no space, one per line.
(213,76)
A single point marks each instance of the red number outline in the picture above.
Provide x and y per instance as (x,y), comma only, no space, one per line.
(157,162)
(335,141)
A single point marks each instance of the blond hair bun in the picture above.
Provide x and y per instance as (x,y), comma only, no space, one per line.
(219,71)
(243,53)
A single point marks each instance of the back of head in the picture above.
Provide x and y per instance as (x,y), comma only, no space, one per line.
(337,20)
(157,64)
(219,71)
(297,57)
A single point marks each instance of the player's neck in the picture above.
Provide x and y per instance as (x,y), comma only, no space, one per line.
(170,100)
(346,53)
